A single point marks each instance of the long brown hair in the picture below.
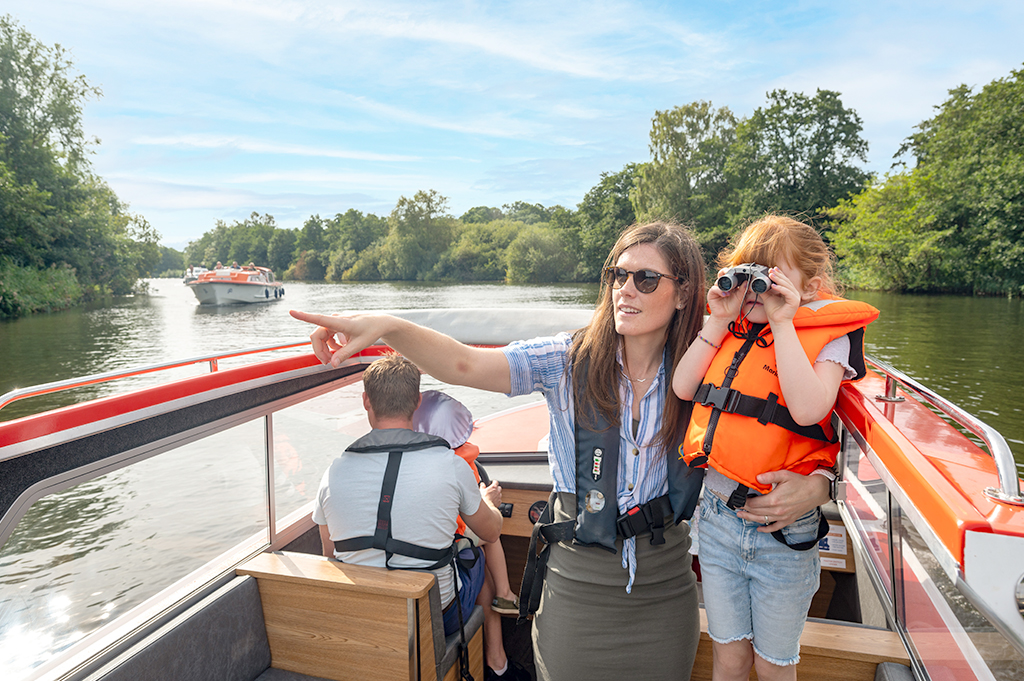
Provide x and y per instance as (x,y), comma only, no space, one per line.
(594,346)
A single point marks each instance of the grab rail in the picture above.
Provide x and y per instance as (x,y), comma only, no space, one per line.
(68,384)
(1006,468)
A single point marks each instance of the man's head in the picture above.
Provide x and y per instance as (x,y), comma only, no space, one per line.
(391,387)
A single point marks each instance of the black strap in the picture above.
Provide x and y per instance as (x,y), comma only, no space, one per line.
(382,539)
(465,673)
(647,516)
(730,373)
(537,561)
(806,545)
(765,411)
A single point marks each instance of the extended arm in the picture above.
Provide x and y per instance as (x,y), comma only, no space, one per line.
(446,359)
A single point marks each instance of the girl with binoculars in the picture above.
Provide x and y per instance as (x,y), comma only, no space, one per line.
(764,374)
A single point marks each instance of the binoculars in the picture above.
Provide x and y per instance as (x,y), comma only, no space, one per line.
(734,276)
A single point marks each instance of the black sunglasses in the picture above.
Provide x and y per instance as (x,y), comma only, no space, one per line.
(646,281)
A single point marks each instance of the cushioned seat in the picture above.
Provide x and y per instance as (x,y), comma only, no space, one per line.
(221,638)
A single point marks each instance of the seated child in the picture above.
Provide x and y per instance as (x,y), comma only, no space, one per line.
(441,415)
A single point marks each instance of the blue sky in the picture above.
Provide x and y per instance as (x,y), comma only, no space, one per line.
(212,109)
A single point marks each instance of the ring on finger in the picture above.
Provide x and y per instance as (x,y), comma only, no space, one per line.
(766,521)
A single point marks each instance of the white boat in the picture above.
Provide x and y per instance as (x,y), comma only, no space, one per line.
(229,286)
(923,572)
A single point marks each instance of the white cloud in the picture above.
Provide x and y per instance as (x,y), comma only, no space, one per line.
(201,141)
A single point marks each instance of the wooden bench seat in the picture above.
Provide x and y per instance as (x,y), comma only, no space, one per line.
(348,622)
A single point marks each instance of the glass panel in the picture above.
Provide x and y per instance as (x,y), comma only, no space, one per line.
(83,556)
(867,501)
(953,640)
(307,437)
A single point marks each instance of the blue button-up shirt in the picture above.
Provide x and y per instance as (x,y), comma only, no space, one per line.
(541,364)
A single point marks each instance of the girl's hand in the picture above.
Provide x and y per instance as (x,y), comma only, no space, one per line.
(725,305)
(782,300)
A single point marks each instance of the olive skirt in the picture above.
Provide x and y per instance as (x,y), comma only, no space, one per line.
(588,628)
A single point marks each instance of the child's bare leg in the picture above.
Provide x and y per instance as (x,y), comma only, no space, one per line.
(494,648)
(766,671)
(732,661)
(497,569)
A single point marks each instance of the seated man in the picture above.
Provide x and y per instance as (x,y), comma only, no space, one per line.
(412,524)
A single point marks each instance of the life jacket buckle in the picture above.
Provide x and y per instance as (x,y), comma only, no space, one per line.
(724,399)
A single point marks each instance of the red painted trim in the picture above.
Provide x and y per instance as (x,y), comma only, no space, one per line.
(943,473)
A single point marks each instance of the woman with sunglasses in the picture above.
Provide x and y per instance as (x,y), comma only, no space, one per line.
(614,605)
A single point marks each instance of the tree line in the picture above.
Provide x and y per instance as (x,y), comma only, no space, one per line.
(946,218)
(64,234)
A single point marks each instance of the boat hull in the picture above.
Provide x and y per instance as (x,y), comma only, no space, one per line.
(235,293)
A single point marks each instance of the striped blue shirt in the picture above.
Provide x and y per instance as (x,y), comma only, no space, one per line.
(541,364)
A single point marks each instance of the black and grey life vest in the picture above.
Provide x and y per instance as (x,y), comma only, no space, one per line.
(395,441)
(598,521)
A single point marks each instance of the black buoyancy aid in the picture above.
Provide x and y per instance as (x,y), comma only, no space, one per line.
(598,521)
(395,442)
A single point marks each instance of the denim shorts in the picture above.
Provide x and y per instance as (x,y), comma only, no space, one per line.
(756,587)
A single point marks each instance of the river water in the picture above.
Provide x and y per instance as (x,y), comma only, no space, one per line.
(964,348)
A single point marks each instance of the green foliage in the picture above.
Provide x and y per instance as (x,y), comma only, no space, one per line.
(602,215)
(955,222)
(478,252)
(538,255)
(25,290)
(349,235)
(242,242)
(714,172)
(171,263)
(796,154)
(280,249)
(887,236)
(481,214)
(527,213)
(309,267)
(419,231)
(686,179)
(54,213)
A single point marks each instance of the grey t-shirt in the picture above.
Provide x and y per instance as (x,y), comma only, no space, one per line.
(434,487)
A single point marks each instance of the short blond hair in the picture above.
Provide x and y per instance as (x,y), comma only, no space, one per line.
(392,384)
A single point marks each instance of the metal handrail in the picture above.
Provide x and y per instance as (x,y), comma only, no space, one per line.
(1006,468)
(68,384)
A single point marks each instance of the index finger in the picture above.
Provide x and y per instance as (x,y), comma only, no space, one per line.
(313,318)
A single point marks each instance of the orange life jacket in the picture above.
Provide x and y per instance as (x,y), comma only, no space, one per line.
(468,451)
(738,427)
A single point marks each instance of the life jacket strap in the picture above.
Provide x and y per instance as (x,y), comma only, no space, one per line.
(382,539)
(805,545)
(647,516)
(765,411)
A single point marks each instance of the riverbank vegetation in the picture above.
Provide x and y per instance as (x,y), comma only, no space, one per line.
(65,237)
(948,217)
